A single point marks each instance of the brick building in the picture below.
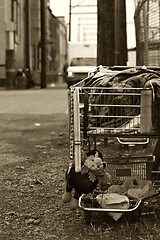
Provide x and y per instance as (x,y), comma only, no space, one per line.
(20,42)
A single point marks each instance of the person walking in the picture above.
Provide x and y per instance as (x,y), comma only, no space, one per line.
(30,81)
(20,80)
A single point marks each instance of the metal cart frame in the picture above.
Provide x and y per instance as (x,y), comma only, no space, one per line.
(88,120)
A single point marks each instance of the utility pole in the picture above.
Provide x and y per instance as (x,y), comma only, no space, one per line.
(70,13)
(43,44)
(105,33)
(116,33)
(111,33)
(27,27)
(122,33)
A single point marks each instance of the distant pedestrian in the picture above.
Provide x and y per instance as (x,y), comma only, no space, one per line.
(30,81)
(20,80)
(65,70)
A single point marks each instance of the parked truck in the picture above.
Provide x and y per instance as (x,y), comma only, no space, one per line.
(82,59)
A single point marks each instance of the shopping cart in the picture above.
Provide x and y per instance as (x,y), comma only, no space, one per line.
(112,112)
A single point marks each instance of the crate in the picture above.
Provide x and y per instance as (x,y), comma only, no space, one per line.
(122,168)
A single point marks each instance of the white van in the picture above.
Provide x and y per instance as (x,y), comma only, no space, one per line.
(82,58)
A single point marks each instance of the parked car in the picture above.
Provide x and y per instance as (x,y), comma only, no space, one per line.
(79,69)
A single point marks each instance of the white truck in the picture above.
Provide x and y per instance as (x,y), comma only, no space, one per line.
(82,59)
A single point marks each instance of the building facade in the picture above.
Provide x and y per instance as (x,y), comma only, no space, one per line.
(20,42)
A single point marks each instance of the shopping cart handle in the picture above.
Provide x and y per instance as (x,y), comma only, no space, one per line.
(133,143)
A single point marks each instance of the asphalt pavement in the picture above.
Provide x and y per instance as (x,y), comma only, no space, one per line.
(53,99)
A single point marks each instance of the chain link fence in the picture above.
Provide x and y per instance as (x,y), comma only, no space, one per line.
(147,24)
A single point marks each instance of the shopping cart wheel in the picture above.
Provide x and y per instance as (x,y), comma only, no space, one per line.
(123,147)
(105,141)
(136,214)
(87,217)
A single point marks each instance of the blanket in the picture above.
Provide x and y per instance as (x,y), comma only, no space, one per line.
(123,81)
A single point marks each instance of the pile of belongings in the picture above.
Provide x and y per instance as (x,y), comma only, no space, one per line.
(127,79)
(117,196)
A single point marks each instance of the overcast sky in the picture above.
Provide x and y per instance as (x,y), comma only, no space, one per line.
(61,8)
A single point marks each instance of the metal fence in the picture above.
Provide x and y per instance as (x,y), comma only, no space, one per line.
(147,24)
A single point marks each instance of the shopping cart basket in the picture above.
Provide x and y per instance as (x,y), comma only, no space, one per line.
(118,112)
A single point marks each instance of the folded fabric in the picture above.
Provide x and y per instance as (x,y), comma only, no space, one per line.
(146,191)
(113,201)
(135,188)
